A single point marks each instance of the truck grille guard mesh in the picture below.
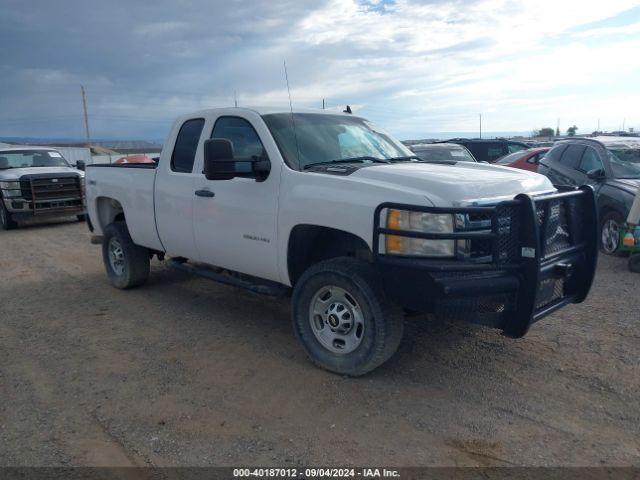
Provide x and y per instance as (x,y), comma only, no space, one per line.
(52,192)
(549,242)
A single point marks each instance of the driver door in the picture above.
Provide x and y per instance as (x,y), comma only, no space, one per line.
(235,224)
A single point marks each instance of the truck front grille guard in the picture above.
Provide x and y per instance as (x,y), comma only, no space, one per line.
(549,242)
(53,194)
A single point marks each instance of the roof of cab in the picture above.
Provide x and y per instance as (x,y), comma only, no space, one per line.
(265,111)
(11,148)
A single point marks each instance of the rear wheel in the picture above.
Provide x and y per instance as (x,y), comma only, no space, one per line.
(127,264)
(6,222)
(342,318)
(610,226)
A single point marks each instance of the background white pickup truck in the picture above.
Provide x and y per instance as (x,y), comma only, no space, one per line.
(333,209)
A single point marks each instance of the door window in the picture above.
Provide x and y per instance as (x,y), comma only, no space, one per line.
(184,152)
(246,142)
(571,156)
(590,161)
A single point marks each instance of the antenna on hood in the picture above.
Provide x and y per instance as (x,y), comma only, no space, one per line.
(293,120)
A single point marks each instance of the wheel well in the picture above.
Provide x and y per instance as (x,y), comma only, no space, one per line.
(310,244)
(109,210)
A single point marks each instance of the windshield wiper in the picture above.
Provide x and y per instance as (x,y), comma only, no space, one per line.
(405,158)
(422,160)
(362,159)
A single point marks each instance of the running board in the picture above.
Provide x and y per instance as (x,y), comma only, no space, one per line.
(267,288)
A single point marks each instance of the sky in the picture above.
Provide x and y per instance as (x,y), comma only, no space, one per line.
(412,66)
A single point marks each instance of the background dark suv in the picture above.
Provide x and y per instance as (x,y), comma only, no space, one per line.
(611,165)
(489,150)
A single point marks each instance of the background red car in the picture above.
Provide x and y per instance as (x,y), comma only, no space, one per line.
(135,159)
(524,159)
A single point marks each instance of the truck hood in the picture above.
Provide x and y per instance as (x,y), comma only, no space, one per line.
(458,184)
(16,173)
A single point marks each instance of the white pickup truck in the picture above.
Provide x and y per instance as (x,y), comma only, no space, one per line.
(335,211)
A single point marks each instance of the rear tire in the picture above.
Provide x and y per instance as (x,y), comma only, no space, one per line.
(127,264)
(610,225)
(343,318)
(81,217)
(6,222)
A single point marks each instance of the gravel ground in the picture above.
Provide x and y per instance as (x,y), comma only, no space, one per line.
(184,371)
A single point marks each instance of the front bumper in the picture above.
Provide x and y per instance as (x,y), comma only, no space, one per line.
(22,209)
(542,256)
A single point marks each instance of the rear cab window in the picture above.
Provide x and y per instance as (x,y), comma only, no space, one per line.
(184,151)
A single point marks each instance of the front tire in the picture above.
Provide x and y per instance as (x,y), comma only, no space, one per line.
(610,226)
(6,222)
(127,264)
(343,318)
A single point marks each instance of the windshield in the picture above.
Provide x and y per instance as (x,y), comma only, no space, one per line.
(31,158)
(625,162)
(327,138)
(439,152)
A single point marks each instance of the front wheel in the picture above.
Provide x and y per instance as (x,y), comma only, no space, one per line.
(127,264)
(6,222)
(343,319)
(610,226)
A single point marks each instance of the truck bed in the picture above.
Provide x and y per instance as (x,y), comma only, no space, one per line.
(133,185)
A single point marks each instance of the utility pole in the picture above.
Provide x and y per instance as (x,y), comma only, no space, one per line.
(558,129)
(86,117)
(624,120)
(235,98)
(598,126)
(323,103)
(480,125)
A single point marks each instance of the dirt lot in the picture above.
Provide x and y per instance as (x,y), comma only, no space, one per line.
(184,371)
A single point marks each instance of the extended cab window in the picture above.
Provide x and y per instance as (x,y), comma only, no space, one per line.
(246,142)
(184,152)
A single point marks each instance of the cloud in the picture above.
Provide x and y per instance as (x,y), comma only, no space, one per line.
(413,66)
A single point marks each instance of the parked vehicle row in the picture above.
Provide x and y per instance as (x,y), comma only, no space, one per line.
(611,165)
(357,228)
(489,150)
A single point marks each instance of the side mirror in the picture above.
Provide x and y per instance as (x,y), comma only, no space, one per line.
(81,165)
(221,164)
(596,174)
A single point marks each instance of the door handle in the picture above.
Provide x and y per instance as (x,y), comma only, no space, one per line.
(205,193)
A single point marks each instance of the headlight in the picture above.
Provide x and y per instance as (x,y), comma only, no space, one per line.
(419,222)
(10,189)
